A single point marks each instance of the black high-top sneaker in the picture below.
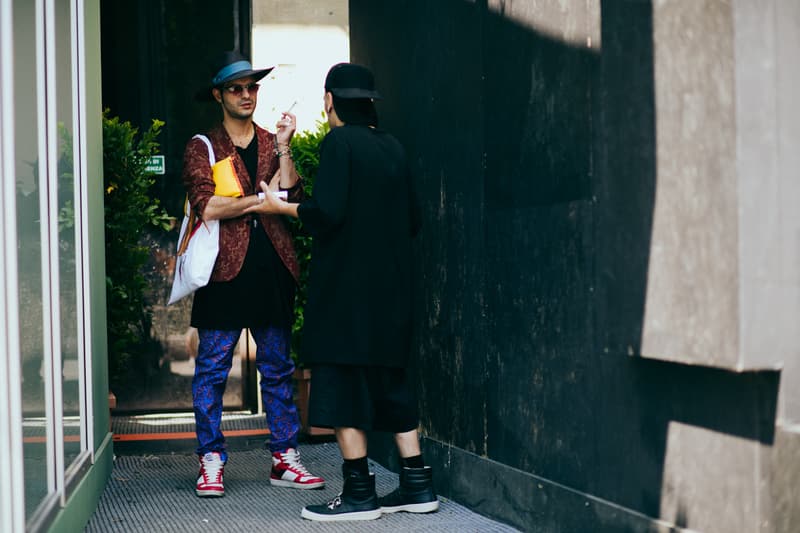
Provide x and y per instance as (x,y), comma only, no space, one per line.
(414,495)
(357,501)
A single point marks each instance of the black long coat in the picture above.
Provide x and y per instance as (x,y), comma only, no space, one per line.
(362,217)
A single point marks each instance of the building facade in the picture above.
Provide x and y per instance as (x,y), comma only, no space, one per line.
(55,429)
(607,285)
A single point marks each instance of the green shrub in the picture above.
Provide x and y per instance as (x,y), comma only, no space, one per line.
(305,152)
(129,209)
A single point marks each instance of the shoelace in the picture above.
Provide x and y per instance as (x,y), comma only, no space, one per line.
(336,502)
(292,458)
(212,470)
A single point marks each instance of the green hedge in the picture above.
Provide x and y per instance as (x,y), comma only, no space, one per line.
(129,209)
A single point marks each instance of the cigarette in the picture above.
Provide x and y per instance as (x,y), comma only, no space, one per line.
(291,107)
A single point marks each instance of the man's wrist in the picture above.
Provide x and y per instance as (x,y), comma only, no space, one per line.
(283,150)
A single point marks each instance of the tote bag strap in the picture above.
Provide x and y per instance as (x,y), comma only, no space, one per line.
(188,232)
(187,210)
(211,159)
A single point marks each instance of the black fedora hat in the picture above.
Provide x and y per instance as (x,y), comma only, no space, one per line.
(348,80)
(229,66)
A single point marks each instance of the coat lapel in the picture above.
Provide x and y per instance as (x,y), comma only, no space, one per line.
(265,156)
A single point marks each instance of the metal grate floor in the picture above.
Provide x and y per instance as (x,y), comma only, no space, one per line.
(155,468)
(152,493)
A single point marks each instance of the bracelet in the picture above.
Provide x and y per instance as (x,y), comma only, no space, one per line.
(285,152)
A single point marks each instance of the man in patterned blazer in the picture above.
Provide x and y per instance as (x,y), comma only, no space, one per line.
(255,276)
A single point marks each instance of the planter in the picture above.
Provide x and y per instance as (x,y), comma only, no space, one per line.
(112,404)
(302,378)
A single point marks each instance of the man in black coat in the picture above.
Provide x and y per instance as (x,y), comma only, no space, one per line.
(357,332)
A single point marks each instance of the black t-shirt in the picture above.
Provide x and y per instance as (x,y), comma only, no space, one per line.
(262,294)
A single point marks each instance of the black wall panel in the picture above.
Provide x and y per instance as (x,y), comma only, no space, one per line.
(439,111)
(536,162)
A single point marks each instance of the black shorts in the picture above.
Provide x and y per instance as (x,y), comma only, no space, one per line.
(368,398)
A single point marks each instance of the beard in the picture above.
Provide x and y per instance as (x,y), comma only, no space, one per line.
(236,113)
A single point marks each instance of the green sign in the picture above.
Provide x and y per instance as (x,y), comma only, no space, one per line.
(155,164)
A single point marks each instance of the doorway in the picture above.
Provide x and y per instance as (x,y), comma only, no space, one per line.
(153,62)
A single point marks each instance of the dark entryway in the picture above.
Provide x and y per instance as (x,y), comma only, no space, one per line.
(154,57)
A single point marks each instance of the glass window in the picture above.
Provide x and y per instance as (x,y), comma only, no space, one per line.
(47,165)
(67,258)
(30,180)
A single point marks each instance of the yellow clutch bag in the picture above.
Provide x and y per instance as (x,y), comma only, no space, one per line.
(227,184)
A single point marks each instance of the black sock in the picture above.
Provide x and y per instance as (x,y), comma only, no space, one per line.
(415,461)
(359,465)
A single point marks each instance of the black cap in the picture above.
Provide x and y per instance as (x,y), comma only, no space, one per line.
(348,80)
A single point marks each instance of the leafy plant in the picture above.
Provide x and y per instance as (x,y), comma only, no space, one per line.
(129,209)
(66,187)
(305,152)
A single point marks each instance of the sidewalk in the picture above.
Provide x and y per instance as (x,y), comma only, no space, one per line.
(155,492)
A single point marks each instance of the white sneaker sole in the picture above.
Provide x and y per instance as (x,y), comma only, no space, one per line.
(209,493)
(427,507)
(295,485)
(361,515)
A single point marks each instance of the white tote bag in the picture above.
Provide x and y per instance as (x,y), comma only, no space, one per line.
(198,246)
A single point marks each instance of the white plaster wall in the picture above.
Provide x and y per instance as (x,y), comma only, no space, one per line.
(302,39)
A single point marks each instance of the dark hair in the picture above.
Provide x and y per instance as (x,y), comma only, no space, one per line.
(356,111)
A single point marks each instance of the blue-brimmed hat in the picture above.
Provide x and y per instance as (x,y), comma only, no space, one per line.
(229,66)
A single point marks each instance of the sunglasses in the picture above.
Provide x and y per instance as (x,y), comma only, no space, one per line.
(236,90)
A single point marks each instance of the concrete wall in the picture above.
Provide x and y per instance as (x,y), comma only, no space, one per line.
(767,168)
(691,314)
(605,277)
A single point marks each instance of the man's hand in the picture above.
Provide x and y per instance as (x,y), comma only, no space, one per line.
(275,182)
(286,127)
(271,204)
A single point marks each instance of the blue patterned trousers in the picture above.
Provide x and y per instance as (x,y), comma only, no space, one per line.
(212,365)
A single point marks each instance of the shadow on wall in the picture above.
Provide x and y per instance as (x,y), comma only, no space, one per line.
(536,163)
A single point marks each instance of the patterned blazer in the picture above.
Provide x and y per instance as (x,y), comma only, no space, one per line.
(234,233)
